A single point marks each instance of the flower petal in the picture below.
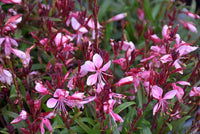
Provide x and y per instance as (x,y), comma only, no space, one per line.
(51,103)
(157,92)
(92,79)
(41,88)
(89,66)
(106,66)
(156,108)
(97,60)
(75,23)
(170,94)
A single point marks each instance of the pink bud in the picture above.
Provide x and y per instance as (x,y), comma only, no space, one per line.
(117,17)
(189,26)
(155,39)
(124,81)
(140,14)
(192,15)
(22,116)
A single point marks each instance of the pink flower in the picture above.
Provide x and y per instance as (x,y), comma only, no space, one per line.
(44,120)
(24,56)
(11,1)
(128,47)
(96,66)
(155,39)
(11,23)
(162,103)
(23,116)
(195,91)
(189,26)
(5,76)
(179,90)
(61,97)
(121,62)
(108,108)
(62,40)
(8,43)
(80,30)
(41,88)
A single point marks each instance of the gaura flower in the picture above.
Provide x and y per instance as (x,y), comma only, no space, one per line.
(5,76)
(96,66)
(180,91)
(23,116)
(41,88)
(162,101)
(62,97)
(45,120)
(11,1)
(108,108)
(195,91)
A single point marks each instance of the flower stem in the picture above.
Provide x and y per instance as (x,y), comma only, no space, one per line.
(15,82)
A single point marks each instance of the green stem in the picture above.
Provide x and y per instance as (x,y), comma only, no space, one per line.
(15,82)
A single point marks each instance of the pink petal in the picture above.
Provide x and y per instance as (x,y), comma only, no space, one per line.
(106,66)
(118,17)
(40,88)
(89,66)
(124,81)
(157,92)
(195,91)
(92,79)
(48,115)
(155,38)
(75,23)
(83,30)
(19,53)
(1,40)
(179,93)
(97,60)
(156,108)
(183,83)
(42,128)
(22,116)
(48,125)
(166,58)
(116,117)
(77,95)
(87,100)
(165,32)
(13,42)
(170,94)
(186,49)
(51,103)
(60,92)
(84,70)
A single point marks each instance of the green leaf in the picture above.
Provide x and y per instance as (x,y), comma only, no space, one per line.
(3,132)
(147,9)
(178,125)
(76,116)
(83,125)
(146,130)
(37,66)
(169,125)
(139,98)
(123,106)
(103,8)
(88,120)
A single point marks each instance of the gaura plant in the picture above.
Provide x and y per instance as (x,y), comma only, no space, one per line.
(83,67)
